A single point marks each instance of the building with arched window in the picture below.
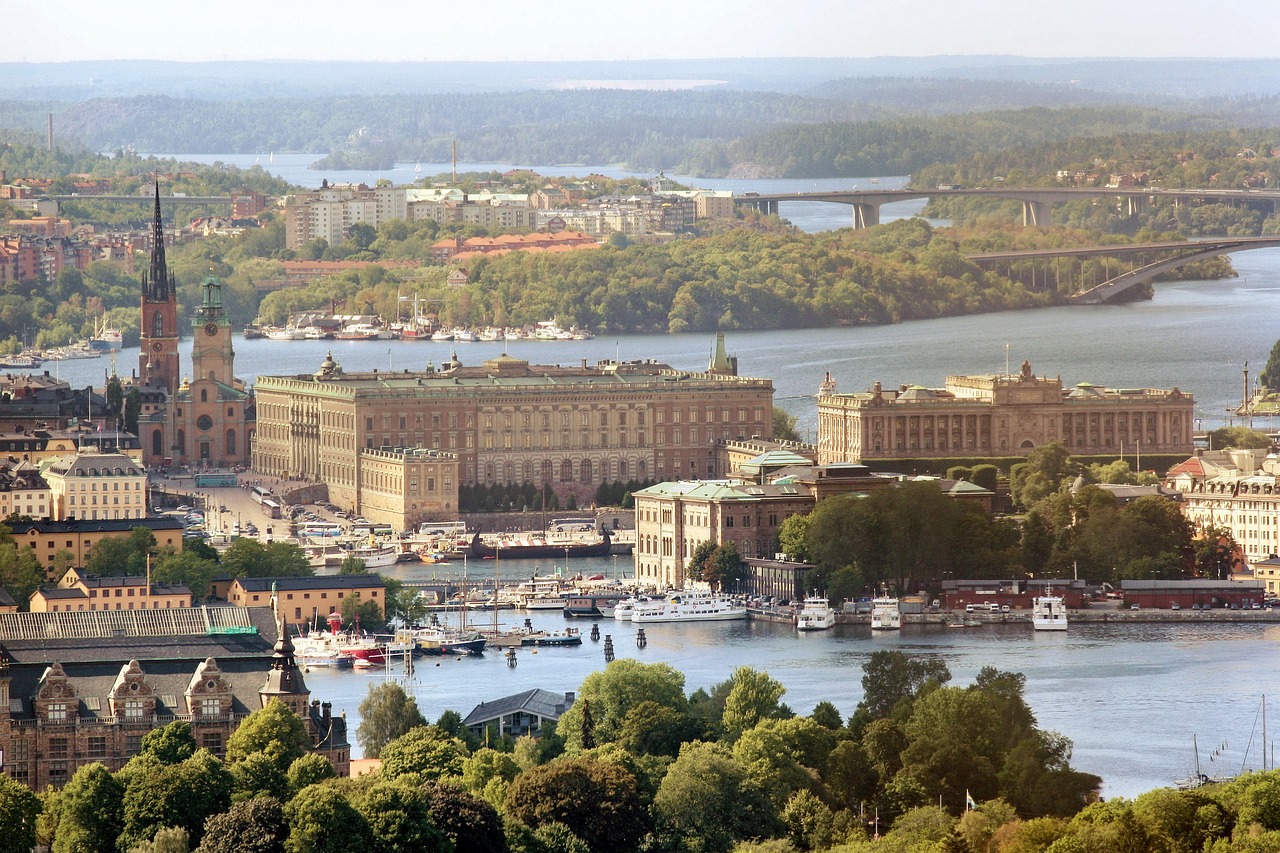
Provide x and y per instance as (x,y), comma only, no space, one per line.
(207,418)
(1000,415)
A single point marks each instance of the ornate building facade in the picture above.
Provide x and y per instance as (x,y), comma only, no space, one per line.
(208,419)
(110,677)
(509,421)
(1000,415)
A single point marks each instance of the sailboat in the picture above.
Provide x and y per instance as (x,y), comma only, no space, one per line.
(1199,779)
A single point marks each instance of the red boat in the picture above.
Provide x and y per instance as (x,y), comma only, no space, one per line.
(364,649)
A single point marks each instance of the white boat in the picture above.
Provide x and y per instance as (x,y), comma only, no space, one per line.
(547,330)
(815,615)
(885,615)
(688,605)
(623,610)
(283,333)
(1048,612)
(465,335)
(374,557)
(542,602)
(19,361)
(442,335)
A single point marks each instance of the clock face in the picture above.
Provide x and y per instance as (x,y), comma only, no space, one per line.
(157,346)
(211,329)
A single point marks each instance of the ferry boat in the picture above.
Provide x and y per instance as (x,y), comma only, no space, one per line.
(1048,612)
(547,545)
(282,333)
(885,615)
(815,615)
(20,361)
(449,641)
(374,556)
(688,605)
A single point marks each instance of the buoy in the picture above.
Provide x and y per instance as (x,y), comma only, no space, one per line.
(641,639)
(595,631)
(511,657)
(608,648)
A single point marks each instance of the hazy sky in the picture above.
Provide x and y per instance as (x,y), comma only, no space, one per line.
(61,30)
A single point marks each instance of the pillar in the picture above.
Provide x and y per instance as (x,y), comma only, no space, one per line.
(865,215)
(1035,213)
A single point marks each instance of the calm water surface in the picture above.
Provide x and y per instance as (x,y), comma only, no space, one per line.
(1130,696)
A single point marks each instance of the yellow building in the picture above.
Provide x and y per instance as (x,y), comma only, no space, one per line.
(78,590)
(403,486)
(508,421)
(306,600)
(23,491)
(93,485)
(1237,491)
(1000,415)
(47,538)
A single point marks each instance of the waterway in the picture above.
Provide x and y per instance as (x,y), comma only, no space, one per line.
(1130,696)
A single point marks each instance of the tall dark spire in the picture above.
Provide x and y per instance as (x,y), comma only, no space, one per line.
(157,283)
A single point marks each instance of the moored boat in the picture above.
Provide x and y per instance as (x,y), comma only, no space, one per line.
(885,615)
(688,605)
(543,546)
(591,604)
(1048,612)
(815,614)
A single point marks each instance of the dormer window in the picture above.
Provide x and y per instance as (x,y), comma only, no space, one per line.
(56,713)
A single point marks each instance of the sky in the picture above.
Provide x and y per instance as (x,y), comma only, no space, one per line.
(529,30)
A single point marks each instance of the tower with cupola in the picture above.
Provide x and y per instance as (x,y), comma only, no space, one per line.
(212,356)
(158,360)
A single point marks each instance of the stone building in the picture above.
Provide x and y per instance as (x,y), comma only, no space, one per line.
(92,485)
(1000,415)
(1237,491)
(23,491)
(77,536)
(207,420)
(403,486)
(79,590)
(507,420)
(304,601)
(84,687)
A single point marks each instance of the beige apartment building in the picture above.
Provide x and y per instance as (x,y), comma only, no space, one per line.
(1238,491)
(1000,415)
(511,421)
(403,486)
(92,485)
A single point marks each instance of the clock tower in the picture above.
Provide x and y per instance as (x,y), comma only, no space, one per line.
(158,360)
(211,354)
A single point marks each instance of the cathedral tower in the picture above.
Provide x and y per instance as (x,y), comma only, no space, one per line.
(158,360)
(211,354)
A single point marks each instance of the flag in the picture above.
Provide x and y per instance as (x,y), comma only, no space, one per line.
(969,804)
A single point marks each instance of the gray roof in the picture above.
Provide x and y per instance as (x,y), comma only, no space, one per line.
(318,582)
(543,703)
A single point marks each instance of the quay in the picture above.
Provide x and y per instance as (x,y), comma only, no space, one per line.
(1074,616)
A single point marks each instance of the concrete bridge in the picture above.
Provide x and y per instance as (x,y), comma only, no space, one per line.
(1037,202)
(1171,256)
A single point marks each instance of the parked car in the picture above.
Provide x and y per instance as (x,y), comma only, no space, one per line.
(1134,607)
(1175,606)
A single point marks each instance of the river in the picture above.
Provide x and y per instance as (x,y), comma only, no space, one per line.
(1130,696)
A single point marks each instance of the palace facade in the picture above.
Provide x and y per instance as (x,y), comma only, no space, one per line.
(507,420)
(1000,415)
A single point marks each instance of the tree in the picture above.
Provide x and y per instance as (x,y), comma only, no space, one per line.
(784,426)
(1238,437)
(251,826)
(469,822)
(598,800)
(189,568)
(20,570)
(399,819)
(697,565)
(753,697)
(310,769)
(428,751)
(249,558)
(890,677)
(614,691)
(132,410)
(322,820)
(91,812)
(793,537)
(182,795)
(386,713)
(259,775)
(171,744)
(724,568)
(274,730)
(19,807)
(352,565)
(1044,472)
(708,797)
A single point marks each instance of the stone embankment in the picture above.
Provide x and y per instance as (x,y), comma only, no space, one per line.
(945,617)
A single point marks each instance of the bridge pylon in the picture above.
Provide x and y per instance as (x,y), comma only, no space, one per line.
(865,215)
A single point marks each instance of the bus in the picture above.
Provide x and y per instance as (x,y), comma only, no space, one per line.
(449,529)
(216,481)
(270,508)
(258,493)
(319,530)
(370,528)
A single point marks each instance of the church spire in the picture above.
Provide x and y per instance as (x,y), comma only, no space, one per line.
(157,283)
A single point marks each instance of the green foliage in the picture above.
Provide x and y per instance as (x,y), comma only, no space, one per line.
(398,819)
(784,426)
(310,769)
(752,697)
(171,744)
(190,568)
(274,730)
(386,713)
(793,537)
(249,558)
(598,801)
(252,826)
(322,820)
(472,824)
(1045,471)
(614,691)
(428,751)
(91,812)
(708,799)
(20,570)
(172,839)
(1238,437)
(890,677)
(176,795)
(258,775)
(122,555)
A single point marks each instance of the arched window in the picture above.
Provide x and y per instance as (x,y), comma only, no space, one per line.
(157,325)
(157,443)
(204,395)
(231,442)
(566,471)
(586,470)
